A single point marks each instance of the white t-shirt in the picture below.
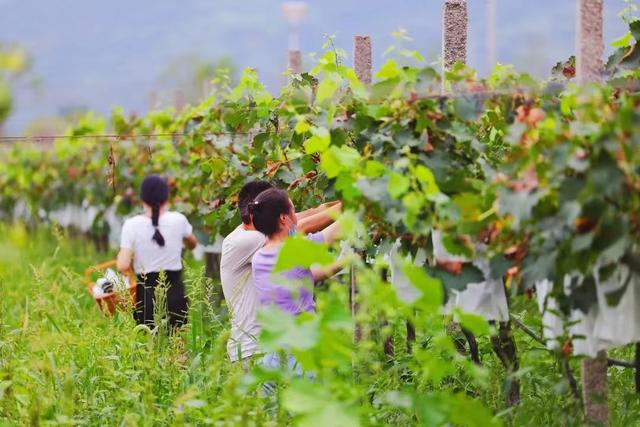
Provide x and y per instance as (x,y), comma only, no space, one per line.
(239,290)
(148,256)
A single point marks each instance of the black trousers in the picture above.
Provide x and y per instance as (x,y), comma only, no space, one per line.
(177,304)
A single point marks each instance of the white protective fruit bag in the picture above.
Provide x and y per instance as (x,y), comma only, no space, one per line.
(604,326)
(403,286)
(486,298)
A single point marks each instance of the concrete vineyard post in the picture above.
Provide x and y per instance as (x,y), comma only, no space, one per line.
(454,34)
(362,53)
(179,100)
(295,61)
(589,41)
(362,58)
(589,68)
(595,390)
(637,363)
(294,12)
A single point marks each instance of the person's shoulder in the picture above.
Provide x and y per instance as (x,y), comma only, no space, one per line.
(252,234)
(240,234)
(134,221)
(257,256)
(316,237)
(253,239)
(231,236)
(174,217)
(243,238)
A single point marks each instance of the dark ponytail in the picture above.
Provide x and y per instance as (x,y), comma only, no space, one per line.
(155,192)
(267,208)
(155,216)
(247,195)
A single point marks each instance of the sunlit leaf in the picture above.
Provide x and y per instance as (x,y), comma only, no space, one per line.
(301,252)
(431,289)
(398,185)
(389,70)
(326,89)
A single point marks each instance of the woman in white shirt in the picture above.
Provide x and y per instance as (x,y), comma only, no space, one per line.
(154,242)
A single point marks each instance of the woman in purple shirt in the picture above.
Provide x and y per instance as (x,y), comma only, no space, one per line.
(274,216)
(292,291)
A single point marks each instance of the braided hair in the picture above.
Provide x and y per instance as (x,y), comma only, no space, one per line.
(155,192)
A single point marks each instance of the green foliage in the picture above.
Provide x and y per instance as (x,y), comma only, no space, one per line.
(301,252)
(62,362)
(404,164)
(313,406)
(543,182)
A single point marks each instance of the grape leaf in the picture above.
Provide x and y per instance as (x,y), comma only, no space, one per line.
(301,252)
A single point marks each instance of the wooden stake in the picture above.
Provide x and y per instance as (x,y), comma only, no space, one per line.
(353,291)
(411,336)
(362,58)
(589,41)
(504,345)
(212,271)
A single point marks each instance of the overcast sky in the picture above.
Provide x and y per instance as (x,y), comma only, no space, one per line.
(97,54)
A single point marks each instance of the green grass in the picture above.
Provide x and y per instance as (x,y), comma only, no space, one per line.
(63,363)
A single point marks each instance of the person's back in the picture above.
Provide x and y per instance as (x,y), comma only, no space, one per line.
(239,290)
(235,274)
(154,242)
(238,283)
(275,216)
(292,290)
(149,257)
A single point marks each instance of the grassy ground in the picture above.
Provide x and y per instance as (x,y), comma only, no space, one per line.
(63,363)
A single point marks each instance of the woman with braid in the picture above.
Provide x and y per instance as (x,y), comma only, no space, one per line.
(154,242)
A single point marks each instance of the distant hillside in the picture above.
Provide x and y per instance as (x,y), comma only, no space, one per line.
(98,54)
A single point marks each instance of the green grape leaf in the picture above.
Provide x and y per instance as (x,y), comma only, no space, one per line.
(432,293)
(338,159)
(301,252)
(281,330)
(319,142)
(474,323)
(389,70)
(398,185)
(315,406)
(326,89)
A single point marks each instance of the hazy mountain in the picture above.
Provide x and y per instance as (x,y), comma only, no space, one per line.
(97,54)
